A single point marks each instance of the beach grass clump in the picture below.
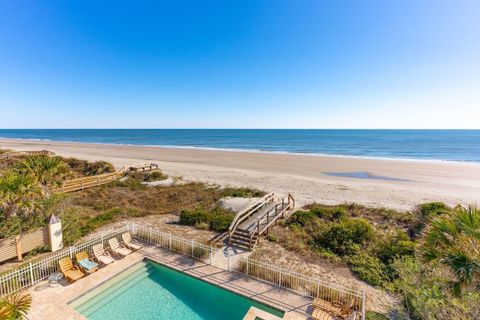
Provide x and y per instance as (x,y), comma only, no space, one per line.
(88,168)
(217,219)
(242,192)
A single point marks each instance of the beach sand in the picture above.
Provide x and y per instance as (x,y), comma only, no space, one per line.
(402,185)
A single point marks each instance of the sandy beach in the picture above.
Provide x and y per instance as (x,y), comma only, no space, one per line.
(398,184)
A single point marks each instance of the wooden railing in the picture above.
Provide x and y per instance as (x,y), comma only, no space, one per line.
(8,155)
(88,182)
(248,212)
(101,179)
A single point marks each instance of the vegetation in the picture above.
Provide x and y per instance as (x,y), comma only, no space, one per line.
(87,168)
(242,192)
(15,306)
(430,256)
(48,171)
(215,219)
(453,240)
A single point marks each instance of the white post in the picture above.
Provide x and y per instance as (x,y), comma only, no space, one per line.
(247,267)
(228,260)
(55,236)
(210,254)
(192,248)
(102,241)
(170,242)
(31,274)
(71,252)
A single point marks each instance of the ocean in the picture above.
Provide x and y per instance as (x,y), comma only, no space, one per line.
(447,145)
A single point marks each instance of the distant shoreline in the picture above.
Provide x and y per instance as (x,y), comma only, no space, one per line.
(324,155)
(396,184)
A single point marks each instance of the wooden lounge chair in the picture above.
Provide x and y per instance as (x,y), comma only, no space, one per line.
(319,314)
(102,256)
(335,308)
(117,249)
(70,272)
(85,263)
(129,243)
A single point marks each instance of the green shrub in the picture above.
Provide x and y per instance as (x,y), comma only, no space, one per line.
(89,168)
(242,192)
(394,246)
(368,268)
(146,176)
(431,209)
(191,218)
(218,219)
(271,238)
(302,218)
(109,216)
(330,213)
(424,213)
(372,315)
(345,236)
(71,222)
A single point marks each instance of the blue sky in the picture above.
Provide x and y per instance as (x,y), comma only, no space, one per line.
(240,64)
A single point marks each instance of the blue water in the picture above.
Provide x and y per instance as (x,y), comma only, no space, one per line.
(452,145)
(157,292)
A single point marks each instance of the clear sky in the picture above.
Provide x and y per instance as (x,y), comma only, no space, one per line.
(240,64)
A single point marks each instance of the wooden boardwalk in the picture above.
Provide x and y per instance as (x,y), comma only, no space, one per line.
(101,179)
(249,224)
(8,155)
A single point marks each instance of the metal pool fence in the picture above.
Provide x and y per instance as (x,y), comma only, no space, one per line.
(300,284)
(39,270)
(33,272)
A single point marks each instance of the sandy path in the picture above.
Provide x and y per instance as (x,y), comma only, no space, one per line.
(303,176)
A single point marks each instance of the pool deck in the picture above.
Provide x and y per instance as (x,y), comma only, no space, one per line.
(52,302)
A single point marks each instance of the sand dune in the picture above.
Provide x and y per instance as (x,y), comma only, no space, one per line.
(396,184)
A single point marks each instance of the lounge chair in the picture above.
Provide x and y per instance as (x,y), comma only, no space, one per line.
(319,314)
(102,256)
(70,272)
(129,243)
(335,308)
(87,265)
(117,249)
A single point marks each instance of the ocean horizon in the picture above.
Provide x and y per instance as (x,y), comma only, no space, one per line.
(436,145)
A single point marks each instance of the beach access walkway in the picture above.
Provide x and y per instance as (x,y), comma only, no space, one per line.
(249,224)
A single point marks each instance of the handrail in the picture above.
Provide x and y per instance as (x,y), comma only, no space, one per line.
(284,207)
(7,155)
(246,213)
(100,179)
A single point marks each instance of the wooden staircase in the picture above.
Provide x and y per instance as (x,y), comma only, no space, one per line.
(249,224)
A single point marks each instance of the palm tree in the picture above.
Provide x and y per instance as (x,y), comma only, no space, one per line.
(454,241)
(15,306)
(49,171)
(18,193)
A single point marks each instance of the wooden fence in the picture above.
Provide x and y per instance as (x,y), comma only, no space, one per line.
(23,243)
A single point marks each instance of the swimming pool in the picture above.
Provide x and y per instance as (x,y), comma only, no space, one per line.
(152,291)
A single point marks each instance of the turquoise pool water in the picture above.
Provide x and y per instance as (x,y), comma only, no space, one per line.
(152,291)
